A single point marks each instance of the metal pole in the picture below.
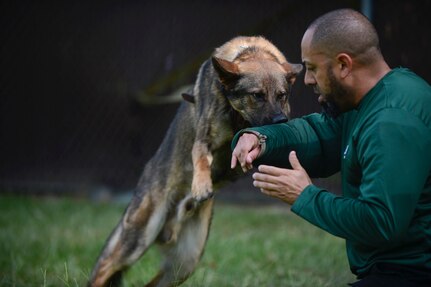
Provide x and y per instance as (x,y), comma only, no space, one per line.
(367,9)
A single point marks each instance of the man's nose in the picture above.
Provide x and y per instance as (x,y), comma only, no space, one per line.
(309,79)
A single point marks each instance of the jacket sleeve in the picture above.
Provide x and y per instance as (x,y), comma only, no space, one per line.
(315,138)
(395,158)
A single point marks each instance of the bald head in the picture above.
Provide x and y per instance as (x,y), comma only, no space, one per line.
(345,31)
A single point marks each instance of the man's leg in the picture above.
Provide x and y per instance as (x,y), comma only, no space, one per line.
(383,280)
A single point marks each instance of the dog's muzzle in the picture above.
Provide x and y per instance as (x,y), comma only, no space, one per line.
(280,118)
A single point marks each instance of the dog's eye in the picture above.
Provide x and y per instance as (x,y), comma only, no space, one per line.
(281,96)
(259,96)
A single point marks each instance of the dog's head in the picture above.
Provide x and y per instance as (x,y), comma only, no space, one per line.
(257,86)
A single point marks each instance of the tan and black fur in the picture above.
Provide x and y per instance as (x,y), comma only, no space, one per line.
(246,82)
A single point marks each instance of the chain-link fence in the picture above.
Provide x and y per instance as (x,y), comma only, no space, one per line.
(79,82)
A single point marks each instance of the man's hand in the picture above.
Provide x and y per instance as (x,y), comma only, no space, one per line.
(284,184)
(246,151)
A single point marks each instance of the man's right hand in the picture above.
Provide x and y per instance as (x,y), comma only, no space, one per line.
(246,151)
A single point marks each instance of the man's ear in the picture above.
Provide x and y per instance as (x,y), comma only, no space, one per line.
(228,72)
(345,63)
(292,71)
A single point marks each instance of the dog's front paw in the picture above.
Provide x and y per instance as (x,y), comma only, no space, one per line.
(202,190)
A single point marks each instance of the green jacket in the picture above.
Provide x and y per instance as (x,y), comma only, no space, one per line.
(383,150)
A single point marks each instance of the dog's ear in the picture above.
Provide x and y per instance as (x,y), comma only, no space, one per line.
(188,98)
(292,71)
(228,72)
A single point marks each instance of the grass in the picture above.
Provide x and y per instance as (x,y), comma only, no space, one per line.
(54,242)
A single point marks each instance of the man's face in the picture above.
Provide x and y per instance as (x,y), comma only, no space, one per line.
(332,101)
(319,74)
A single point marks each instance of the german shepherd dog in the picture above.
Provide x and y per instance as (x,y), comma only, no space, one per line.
(246,82)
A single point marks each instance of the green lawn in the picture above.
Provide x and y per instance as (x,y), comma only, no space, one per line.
(54,242)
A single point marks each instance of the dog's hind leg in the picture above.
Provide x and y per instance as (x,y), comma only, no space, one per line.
(136,231)
(182,256)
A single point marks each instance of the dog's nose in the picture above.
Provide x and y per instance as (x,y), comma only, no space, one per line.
(280,118)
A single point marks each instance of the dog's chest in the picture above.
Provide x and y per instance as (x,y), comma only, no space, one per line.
(220,134)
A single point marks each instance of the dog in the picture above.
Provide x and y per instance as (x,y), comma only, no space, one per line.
(246,82)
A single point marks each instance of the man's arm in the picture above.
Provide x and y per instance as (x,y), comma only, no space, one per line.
(395,159)
(316,140)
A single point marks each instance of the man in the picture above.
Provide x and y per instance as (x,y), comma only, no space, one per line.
(376,130)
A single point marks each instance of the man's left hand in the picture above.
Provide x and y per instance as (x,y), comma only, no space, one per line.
(281,183)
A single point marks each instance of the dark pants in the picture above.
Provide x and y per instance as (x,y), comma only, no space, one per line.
(382,275)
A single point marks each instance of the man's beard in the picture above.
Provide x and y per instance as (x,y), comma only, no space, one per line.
(329,108)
